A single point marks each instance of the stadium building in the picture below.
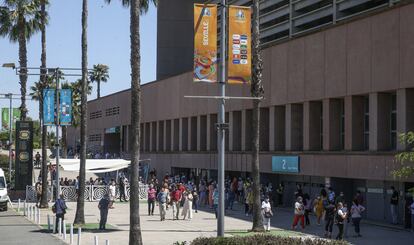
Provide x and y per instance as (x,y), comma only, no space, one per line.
(339,88)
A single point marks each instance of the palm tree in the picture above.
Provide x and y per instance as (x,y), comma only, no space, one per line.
(43,19)
(137,7)
(80,206)
(256,91)
(99,74)
(19,20)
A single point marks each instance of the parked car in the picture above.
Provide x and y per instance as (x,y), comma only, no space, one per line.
(4,198)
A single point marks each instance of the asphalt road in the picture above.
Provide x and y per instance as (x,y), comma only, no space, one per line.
(15,229)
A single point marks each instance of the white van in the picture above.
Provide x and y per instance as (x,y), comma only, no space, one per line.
(4,198)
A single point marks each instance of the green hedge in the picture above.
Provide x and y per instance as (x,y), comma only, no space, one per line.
(262,239)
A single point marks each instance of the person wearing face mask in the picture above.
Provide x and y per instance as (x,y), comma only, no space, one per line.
(267,213)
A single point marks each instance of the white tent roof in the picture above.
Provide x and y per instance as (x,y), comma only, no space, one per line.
(93,165)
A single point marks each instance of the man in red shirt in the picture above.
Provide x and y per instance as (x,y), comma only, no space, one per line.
(176,196)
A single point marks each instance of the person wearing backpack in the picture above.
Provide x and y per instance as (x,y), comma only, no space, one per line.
(329,217)
(340,219)
(356,215)
(59,208)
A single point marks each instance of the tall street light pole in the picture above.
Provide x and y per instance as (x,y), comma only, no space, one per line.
(10,96)
(221,121)
(57,132)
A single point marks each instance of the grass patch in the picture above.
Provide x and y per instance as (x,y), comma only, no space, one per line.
(274,232)
(88,227)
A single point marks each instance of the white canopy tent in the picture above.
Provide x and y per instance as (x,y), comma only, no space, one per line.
(93,165)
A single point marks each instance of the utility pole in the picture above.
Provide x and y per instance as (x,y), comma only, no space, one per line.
(57,132)
(10,96)
(221,121)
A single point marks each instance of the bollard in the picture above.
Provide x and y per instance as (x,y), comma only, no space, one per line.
(107,242)
(38,216)
(24,208)
(48,222)
(54,225)
(33,213)
(96,241)
(18,206)
(64,230)
(71,234)
(60,226)
(29,215)
(79,235)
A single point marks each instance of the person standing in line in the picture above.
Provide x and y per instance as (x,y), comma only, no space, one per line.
(308,207)
(340,219)
(188,206)
(59,208)
(152,195)
(176,197)
(299,214)
(249,199)
(215,200)
(394,205)
(329,217)
(210,194)
(162,202)
(122,189)
(112,193)
(356,215)
(38,188)
(318,207)
(103,209)
(346,222)
(202,189)
(196,200)
(240,190)
(279,192)
(267,213)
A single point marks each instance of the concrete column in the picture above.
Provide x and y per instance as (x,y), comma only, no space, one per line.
(208,132)
(243,131)
(230,131)
(271,128)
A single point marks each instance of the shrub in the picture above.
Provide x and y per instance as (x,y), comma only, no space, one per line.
(262,239)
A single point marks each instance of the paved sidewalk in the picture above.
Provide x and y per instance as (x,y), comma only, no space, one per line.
(204,224)
(17,230)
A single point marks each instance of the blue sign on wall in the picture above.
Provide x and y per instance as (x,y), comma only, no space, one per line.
(65,115)
(285,164)
(48,106)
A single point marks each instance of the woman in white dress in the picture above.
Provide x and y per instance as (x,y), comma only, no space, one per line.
(267,213)
(188,205)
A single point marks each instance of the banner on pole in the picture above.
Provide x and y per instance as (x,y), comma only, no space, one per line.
(5,118)
(239,62)
(49,106)
(205,43)
(65,115)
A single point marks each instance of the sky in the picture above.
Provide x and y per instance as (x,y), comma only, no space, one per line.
(108,43)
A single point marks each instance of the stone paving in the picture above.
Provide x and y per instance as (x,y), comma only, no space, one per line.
(204,224)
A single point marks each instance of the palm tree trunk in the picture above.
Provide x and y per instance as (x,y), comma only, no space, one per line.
(23,70)
(135,237)
(64,142)
(98,90)
(257,91)
(80,206)
(43,200)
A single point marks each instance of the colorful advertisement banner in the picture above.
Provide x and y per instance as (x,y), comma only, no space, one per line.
(49,106)
(65,115)
(239,62)
(205,43)
(5,118)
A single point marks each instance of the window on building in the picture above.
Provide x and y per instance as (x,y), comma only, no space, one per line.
(393,123)
(342,125)
(366,123)
(320,126)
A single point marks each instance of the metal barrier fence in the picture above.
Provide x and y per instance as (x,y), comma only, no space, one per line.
(92,192)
